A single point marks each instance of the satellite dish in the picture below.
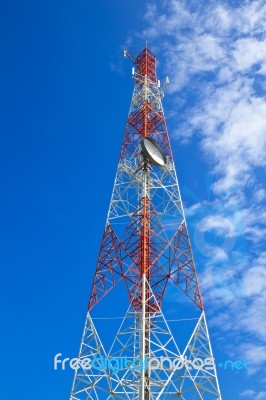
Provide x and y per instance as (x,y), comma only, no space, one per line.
(153,151)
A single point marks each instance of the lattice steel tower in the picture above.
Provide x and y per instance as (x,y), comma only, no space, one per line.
(145,325)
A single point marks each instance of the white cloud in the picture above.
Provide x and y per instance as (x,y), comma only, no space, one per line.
(220,224)
(255,354)
(229,113)
(255,281)
(220,228)
(252,394)
(248,52)
(215,55)
(260,195)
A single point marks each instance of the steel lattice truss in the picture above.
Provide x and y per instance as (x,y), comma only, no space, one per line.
(164,383)
(146,248)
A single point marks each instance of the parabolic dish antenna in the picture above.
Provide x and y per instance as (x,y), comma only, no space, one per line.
(153,151)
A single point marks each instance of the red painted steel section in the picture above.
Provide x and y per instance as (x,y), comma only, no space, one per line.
(144,247)
(146,64)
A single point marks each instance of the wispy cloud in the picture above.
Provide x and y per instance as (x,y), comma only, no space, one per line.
(215,55)
(251,394)
(218,54)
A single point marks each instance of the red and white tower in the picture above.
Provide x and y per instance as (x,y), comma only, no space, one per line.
(145,333)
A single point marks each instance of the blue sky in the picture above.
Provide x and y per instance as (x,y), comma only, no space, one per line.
(65,91)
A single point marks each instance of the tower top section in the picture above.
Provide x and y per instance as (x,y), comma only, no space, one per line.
(145,63)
